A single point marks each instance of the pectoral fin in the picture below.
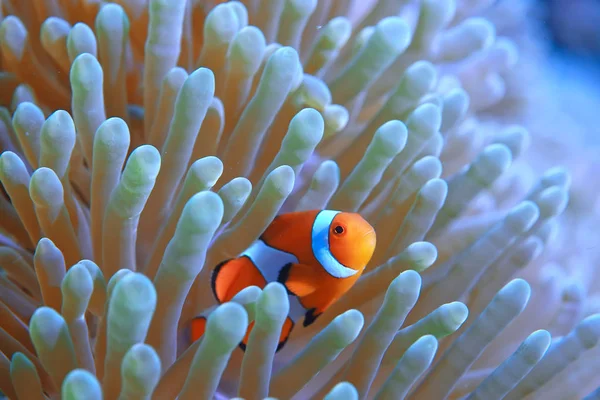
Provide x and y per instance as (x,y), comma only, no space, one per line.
(299,279)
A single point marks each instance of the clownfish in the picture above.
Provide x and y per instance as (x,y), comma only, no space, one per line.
(317,255)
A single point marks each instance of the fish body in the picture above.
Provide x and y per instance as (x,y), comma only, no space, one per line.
(317,255)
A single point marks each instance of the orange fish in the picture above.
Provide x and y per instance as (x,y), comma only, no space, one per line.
(317,255)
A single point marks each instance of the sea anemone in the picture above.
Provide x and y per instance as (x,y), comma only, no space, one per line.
(143,142)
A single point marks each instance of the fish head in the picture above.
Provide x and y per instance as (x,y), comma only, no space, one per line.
(352,240)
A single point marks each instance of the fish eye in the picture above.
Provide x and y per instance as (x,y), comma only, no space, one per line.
(338,230)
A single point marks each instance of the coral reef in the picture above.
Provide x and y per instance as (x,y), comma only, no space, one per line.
(143,142)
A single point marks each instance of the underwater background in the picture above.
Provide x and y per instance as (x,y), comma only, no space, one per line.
(143,142)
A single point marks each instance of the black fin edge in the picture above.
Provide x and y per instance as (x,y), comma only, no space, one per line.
(213,279)
(284,274)
(280,345)
(310,317)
